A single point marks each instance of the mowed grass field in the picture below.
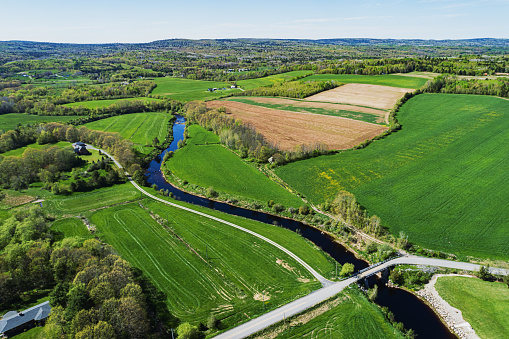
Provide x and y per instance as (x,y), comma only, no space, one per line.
(351,316)
(140,128)
(302,106)
(105,103)
(383,80)
(215,166)
(271,79)
(81,202)
(19,151)
(484,304)
(71,227)
(441,179)
(189,90)
(238,270)
(11,120)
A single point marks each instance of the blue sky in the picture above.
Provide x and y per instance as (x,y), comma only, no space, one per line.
(104,21)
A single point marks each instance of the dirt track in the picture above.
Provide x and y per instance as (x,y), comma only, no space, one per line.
(288,129)
(383,97)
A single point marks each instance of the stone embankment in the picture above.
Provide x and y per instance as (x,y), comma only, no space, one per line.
(452,316)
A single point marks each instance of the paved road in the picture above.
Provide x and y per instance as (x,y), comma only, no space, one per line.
(321,279)
(329,288)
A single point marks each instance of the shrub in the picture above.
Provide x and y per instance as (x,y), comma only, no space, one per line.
(211,192)
(304,210)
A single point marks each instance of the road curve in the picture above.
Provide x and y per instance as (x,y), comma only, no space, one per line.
(319,277)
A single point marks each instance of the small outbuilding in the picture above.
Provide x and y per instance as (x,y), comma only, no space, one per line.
(13,323)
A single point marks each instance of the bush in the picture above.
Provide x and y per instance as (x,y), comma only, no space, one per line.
(278,208)
(304,210)
(211,192)
(270,203)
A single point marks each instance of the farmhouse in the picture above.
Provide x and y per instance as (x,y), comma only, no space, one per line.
(80,148)
(13,322)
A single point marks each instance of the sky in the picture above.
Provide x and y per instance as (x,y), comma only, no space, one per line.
(109,21)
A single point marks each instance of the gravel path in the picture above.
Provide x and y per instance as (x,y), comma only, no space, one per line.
(452,316)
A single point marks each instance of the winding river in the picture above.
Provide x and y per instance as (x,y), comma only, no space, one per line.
(407,308)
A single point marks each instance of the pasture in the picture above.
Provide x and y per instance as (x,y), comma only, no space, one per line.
(374,116)
(347,315)
(290,129)
(375,96)
(382,80)
(215,166)
(484,304)
(70,227)
(440,179)
(81,202)
(189,90)
(12,120)
(272,79)
(140,128)
(202,266)
(105,103)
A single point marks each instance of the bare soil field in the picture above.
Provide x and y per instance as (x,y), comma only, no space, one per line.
(289,129)
(382,97)
(324,105)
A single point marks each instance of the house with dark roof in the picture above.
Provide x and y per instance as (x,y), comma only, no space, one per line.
(80,148)
(13,322)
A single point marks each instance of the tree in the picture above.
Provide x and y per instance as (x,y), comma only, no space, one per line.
(212,322)
(505,279)
(187,331)
(347,270)
(484,273)
(304,210)
(155,142)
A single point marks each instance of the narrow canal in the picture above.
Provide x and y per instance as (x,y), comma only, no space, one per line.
(406,307)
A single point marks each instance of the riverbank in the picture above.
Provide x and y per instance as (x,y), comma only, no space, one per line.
(450,315)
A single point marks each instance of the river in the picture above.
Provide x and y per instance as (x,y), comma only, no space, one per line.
(407,308)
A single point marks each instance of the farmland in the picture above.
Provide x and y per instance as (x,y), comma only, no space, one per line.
(289,129)
(440,179)
(271,79)
(484,304)
(70,227)
(347,315)
(11,120)
(140,128)
(188,90)
(360,113)
(230,174)
(376,96)
(382,80)
(203,272)
(105,103)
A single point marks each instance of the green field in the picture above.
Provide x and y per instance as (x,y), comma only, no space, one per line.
(188,90)
(271,79)
(239,266)
(140,128)
(383,80)
(70,227)
(80,202)
(11,120)
(105,103)
(353,316)
(19,151)
(217,167)
(441,179)
(485,305)
(361,116)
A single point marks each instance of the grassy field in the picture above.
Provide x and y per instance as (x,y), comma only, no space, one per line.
(34,333)
(11,120)
(238,268)
(441,179)
(188,90)
(271,79)
(78,203)
(19,151)
(140,128)
(70,227)
(105,103)
(217,167)
(350,315)
(361,116)
(485,305)
(384,80)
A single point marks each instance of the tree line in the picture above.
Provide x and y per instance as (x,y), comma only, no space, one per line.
(291,89)
(452,84)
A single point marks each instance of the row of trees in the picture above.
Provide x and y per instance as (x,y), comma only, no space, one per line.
(455,85)
(291,89)
(245,139)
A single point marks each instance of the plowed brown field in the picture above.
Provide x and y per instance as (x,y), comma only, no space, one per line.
(383,97)
(289,129)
